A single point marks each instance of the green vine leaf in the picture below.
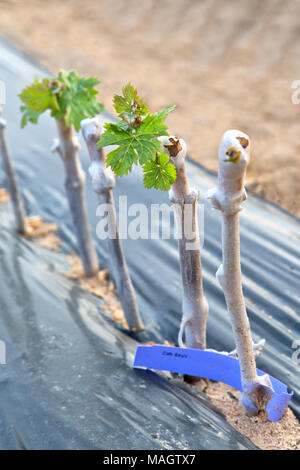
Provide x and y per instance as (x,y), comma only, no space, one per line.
(163,113)
(29,116)
(159,173)
(137,147)
(39,97)
(130,104)
(135,134)
(67,96)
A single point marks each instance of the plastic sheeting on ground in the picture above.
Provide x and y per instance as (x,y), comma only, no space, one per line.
(68,382)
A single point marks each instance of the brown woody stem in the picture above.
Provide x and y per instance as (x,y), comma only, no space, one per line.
(103,182)
(67,146)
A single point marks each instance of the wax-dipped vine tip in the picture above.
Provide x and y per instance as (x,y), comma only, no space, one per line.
(234,147)
(91,129)
(234,157)
(175,148)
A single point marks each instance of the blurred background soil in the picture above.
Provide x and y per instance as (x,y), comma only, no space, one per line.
(225,64)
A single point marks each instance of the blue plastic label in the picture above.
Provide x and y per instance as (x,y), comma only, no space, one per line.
(209,365)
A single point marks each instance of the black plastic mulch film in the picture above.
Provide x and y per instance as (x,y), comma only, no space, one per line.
(68,382)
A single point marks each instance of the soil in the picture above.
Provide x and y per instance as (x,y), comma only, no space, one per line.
(100,286)
(43,234)
(225,65)
(282,435)
(4,196)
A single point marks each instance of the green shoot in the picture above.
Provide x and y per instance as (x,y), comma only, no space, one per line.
(234,155)
(135,136)
(67,96)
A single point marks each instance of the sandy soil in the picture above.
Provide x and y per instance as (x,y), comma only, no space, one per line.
(40,232)
(224,66)
(282,435)
(4,196)
(100,286)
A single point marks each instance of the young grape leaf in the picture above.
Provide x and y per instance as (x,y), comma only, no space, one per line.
(159,173)
(38,97)
(163,113)
(137,147)
(29,116)
(77,99)
(135,136)
(130,104)
(67,96)
(136,139)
